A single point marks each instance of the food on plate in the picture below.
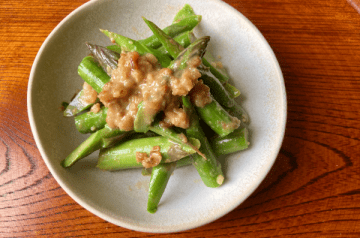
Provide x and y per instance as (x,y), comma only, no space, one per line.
(158,103)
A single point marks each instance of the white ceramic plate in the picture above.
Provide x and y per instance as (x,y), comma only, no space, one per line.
(121,197)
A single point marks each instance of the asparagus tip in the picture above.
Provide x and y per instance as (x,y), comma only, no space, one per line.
(88,45)
(147,21)
(68,113)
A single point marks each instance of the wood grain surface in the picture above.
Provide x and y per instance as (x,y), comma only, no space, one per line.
(313,190)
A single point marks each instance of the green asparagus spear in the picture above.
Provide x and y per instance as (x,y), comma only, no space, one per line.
(128,44)
(170,44)
(130,135)
(90,71)
(217,118)
(208,60)
(186,24)
(93,74)
(77,105)
(197,48)
(188,160)
(180,32)
(239,112)
(107,59)
(169,133)
(186,11)
(217,89)
(219,72)
(114,48)
(160,176)
(235,141)
(222,95)
(184,40)
(208,168)
(91,144)
(112,140)
(90,122)
(233,92)
(123,156)
(225,98)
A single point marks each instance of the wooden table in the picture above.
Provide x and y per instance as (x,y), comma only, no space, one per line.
(313,190)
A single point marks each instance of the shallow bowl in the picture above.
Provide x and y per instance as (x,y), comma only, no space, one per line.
(121,197)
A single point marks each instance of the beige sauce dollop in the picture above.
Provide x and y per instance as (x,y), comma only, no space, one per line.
(89,94)
(141,78)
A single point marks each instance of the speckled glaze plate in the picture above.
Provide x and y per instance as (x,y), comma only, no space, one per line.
(121,197)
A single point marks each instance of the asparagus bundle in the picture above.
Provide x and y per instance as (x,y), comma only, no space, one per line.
(151,144)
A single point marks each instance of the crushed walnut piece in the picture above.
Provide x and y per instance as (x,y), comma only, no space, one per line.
(149,161)
(165,123)
(177,117)
(95,108)
(183,138)
(217,64)
(200,94)
(183,83)
(89,95)
(235,123)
